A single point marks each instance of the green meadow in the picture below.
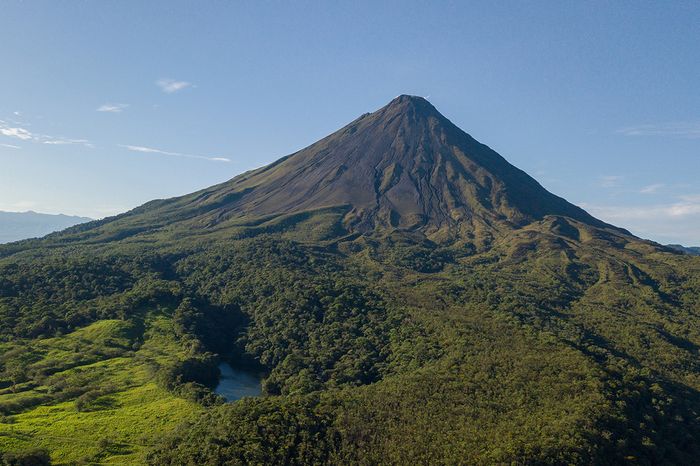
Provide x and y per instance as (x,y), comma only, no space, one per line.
(90,396)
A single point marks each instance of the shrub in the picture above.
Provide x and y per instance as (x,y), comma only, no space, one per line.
(34,457)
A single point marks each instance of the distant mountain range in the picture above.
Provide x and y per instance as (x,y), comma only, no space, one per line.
(15,226)
(695,251)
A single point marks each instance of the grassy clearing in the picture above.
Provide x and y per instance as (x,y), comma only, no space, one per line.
(89,396)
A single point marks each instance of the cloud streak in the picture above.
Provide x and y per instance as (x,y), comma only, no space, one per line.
(24,134)
(673,222)
(112,108)
(151,150)
(170,86)
(652,188)
(14,132)
(687,206)
(10,146)
(610,181)
(682,129)
(67,141)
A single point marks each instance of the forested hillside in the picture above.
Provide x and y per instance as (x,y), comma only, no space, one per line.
(457,313)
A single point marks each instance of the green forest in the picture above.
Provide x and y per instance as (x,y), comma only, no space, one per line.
(408,296)
(542,348)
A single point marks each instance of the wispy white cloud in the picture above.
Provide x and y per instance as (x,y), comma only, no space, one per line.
(112,108)
(26,135)
(67,141)
(10,146)
(672,222)
(150,150)
(683,129)
(610,181)
(652,188)
(169,86)
(686,206)
(691,198)
(14,132)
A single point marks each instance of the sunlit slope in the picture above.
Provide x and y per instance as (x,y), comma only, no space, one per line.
(404,167)
(410,296)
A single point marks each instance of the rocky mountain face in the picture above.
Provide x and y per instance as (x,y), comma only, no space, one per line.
(403,167)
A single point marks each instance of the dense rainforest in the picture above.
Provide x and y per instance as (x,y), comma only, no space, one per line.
(410,297)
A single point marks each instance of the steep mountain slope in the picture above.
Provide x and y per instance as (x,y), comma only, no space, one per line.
(410,296)
(404,166)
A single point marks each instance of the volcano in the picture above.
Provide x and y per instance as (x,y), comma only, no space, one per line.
(405,295)
(403,167)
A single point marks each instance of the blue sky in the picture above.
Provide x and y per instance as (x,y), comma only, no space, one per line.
(106,105)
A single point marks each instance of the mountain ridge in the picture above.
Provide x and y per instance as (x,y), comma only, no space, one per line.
(692,250)
(16,226)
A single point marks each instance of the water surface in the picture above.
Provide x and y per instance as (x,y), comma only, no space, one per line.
(234,383)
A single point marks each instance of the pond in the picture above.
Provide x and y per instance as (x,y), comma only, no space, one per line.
(235,383)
